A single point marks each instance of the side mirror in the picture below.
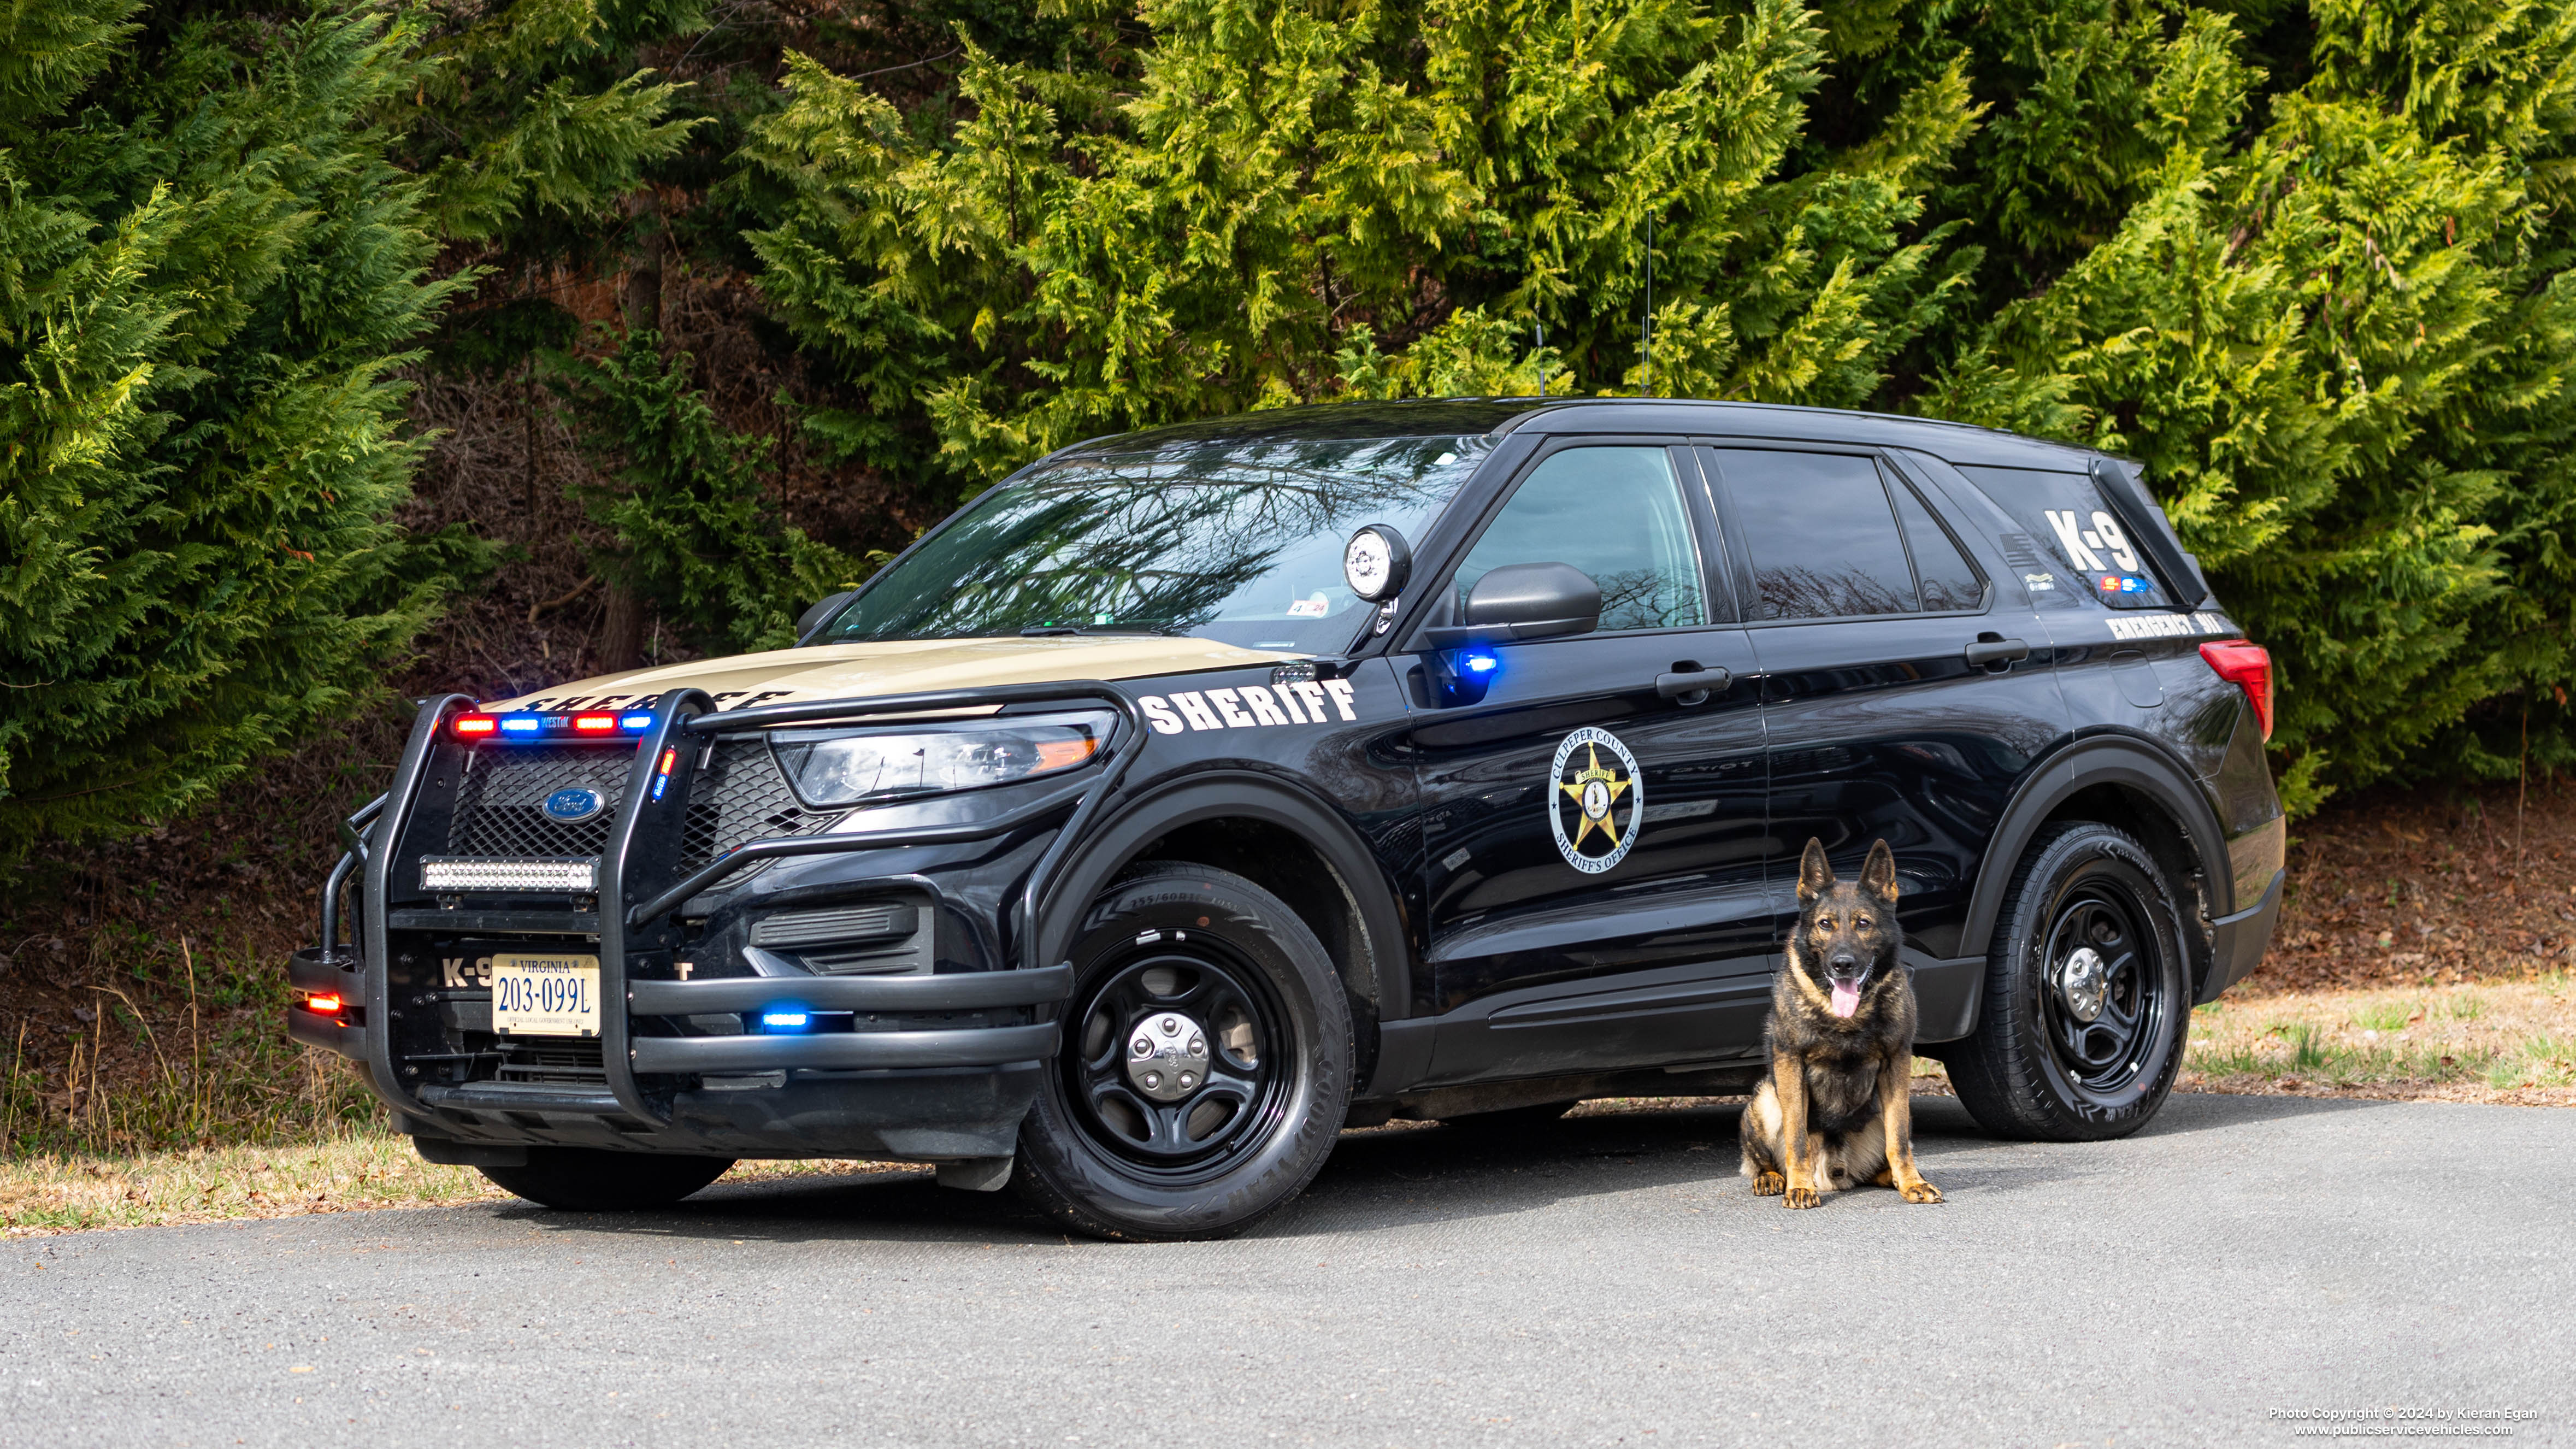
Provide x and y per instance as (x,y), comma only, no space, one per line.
(806,622)
(1524,601)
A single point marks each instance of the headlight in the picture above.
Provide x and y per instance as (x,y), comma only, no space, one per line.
(845,766)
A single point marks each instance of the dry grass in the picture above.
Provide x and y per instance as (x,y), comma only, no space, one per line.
(2505,1042)
(62,1194)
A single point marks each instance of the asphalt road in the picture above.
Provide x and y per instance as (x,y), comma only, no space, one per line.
(1606,1281)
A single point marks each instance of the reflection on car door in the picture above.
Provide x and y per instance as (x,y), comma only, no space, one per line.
(1594,848)
(1903,694)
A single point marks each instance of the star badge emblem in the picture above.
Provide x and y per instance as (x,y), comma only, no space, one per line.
(1594,790)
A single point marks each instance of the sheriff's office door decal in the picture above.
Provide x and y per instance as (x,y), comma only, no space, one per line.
(1597,801)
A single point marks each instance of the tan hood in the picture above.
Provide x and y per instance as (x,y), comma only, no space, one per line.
(845,671)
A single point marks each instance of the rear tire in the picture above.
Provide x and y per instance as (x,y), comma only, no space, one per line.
(585,1180)
(2088,1001)
(1185,954)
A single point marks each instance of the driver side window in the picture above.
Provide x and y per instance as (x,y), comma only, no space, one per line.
(1615,513)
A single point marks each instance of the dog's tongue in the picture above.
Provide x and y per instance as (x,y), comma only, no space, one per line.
(1846,999)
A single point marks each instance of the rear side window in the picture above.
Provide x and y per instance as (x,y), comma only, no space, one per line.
(1615,513)
(1824,536)
(1946,579)
(2068,523)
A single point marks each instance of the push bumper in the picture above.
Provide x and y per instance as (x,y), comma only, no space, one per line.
(915,1088)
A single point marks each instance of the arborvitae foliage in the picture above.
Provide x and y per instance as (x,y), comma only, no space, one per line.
(2331,319)
(208,271)
(692,534)
(1296,200)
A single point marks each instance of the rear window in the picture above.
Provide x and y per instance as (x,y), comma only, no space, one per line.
(1828,538)
(2067,522)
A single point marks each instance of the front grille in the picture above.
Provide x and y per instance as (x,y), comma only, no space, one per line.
(573,1061)
(742,796)
(501,809)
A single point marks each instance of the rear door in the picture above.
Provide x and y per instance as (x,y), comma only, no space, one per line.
(1594,848)
(1905,692)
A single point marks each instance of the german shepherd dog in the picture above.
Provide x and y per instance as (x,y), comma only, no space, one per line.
(1837,1109)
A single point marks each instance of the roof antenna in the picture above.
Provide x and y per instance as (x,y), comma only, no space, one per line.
(1542,359)
(1646,326)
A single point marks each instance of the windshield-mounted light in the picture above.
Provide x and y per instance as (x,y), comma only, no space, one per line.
(845,766)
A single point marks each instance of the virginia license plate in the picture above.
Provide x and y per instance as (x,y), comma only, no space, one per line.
(544,994)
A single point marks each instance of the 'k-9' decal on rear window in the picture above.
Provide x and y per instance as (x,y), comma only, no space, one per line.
(1249,706)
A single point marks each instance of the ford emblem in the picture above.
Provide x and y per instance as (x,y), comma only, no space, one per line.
(573,806)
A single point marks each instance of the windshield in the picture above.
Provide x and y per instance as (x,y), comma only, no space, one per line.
(1240,543)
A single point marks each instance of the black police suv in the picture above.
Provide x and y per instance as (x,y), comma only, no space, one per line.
(1197,793)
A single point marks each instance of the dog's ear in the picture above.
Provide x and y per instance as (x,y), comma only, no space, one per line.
(1878,873)
(1815,873)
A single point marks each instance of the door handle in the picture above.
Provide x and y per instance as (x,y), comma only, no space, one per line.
(1693,681)
(1990,650)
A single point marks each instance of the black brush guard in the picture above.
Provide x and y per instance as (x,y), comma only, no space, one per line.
(368,838)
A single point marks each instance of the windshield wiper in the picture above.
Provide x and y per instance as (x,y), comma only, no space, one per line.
(1041,631)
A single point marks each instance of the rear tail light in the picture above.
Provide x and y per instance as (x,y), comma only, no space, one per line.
(2249,667)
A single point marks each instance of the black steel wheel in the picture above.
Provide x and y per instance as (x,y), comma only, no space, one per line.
(584,1179)
(1205,1065)
(2088,997)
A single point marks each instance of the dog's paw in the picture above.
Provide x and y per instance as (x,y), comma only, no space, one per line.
(1801,1197)
(1769,1184)
(1919,1191)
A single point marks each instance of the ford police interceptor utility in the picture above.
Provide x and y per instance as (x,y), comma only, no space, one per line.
(1196,793)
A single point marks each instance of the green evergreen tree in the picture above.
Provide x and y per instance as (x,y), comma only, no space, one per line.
(693,535)
(1298,201)
(2341,342)
(208,274)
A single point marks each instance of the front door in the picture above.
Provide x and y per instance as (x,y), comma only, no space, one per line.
(1594,845)
(1905,694)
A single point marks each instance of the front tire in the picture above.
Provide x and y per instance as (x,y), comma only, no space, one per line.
(1205,1068)
(585,1180)
(2088,1002)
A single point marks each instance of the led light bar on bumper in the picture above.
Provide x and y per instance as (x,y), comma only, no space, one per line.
(509,873)
(601,726)
(844,766)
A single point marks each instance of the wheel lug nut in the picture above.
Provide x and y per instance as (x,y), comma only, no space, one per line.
(1169,1025)
(1198,1046)
(1153,1079)
(1143,1048)
(1188,1081)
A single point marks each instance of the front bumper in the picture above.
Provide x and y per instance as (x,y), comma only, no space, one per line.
(935,1064)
